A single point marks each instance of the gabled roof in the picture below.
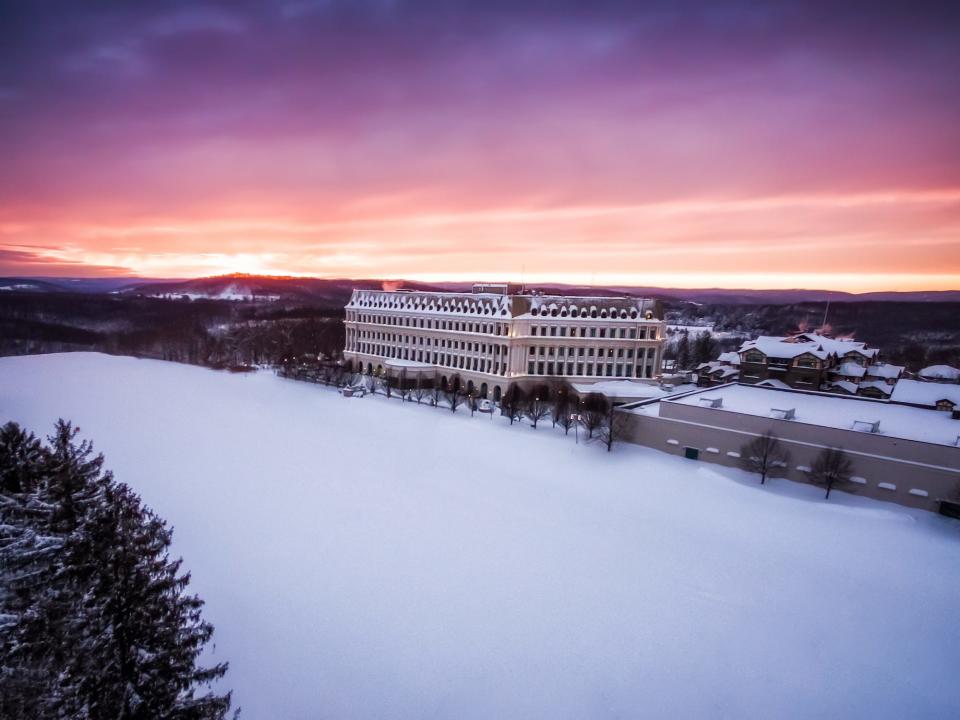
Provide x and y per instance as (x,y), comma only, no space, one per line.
(850,369)
(885,370)
(877,385)
(820,346)
(844,385)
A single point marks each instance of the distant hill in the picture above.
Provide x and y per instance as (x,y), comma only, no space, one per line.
(331,290)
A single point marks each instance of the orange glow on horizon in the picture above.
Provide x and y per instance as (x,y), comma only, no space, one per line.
(896,240)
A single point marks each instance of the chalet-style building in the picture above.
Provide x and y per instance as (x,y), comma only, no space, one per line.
(725,369)
(803,361)
(497,335)
(875,381)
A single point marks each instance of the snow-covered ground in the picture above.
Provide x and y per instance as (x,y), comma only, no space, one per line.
(362,558)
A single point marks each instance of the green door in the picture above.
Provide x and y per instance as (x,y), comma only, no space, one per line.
(691,453)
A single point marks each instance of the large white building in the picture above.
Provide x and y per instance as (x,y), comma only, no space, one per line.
(497,335)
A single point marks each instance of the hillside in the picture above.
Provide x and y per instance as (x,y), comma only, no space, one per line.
(469,569)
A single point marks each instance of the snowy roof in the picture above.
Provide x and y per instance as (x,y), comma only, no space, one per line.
(835,411)
(845,385)
(604,308)
(819,346)
(917,392)
(476,304)
(774,383)
(628,389)
(885,370)
(877,385)
(399,363)
(850,369)
(731,357)
(940,372)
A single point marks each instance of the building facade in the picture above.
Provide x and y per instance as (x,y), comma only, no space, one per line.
(804,361)
(497,335)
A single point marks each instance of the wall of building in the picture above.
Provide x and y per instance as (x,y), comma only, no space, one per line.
(880,461)
(493,340)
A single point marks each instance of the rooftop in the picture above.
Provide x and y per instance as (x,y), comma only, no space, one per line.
(940,372)
(629,389)
(820,346)
(824,410)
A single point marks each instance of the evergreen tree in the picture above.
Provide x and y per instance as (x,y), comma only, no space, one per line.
(94,618)
(683,351)
(140,632)
(704,347)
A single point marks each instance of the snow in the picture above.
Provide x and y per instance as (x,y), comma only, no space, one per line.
(369,559)
(877,385)
(940,372)
(773,383)
(830,410)
(629,389)
(845,385)
(918,392)
(885,371)
(819,346)
(850,369)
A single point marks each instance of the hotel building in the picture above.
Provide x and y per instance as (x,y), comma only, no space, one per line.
(497,335)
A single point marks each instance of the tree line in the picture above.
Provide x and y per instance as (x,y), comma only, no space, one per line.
(95,618)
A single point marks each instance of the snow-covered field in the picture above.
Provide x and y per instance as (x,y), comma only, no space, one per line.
(362,558)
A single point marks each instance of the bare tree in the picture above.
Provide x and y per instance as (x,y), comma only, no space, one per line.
(763,455)
(563,412)
(536,409)
(831,468)
(614,426)
(436,394)
(560,393)
(593,413)
(453,393)
(420,391)
(512,403)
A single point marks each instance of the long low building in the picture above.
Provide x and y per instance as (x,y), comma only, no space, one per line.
(497,335)
(907,455)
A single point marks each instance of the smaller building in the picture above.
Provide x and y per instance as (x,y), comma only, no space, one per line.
(901,453)
(940,373)
(725,369)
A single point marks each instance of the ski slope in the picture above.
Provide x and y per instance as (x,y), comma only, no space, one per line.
(365,558)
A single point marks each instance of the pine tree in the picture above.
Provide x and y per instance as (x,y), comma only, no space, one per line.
(683,351)
(94,618)
(27,564)
(703,348)
(140,632)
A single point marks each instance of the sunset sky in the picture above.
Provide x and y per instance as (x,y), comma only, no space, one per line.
(701,143)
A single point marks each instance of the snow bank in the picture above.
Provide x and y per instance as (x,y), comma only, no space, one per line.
(370,559)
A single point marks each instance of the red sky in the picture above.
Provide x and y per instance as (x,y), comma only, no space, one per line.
(681,144)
